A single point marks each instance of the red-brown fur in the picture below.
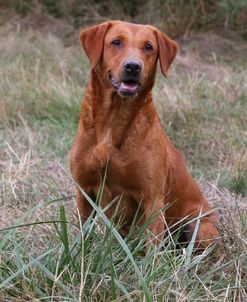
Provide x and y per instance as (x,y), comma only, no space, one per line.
(125,133)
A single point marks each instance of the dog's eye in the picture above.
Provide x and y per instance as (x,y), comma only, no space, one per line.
(148,47)
(116,42)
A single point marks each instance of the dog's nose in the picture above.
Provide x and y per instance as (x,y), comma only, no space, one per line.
(132,66)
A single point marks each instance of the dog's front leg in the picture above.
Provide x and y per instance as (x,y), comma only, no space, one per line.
(83,206)
(155,220)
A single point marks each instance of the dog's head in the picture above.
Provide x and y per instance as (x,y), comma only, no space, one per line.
(126,54)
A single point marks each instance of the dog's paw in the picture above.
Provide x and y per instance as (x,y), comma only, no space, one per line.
(101,153)
(108,139)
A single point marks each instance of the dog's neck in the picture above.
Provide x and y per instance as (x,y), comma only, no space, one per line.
(121,115)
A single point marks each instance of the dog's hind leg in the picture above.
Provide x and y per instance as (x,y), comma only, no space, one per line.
(207,232)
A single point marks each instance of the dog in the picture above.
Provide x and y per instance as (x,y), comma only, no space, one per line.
(119,129)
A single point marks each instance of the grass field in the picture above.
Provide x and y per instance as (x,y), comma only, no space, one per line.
(43,255)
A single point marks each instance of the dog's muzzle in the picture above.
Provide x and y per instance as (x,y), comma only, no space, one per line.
(129,84)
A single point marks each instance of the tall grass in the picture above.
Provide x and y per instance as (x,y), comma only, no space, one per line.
(97,264)
(44,254)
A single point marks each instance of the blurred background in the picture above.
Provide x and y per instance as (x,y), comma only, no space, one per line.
(176,17)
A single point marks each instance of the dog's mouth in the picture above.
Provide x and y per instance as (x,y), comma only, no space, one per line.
(128,87)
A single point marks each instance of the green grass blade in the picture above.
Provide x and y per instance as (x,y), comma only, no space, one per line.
(193,239)
(51,276)
(23,269)
(64,236)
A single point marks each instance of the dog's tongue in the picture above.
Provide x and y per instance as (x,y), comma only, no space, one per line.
(129,86)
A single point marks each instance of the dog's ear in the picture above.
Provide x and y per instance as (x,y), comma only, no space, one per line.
(167,51)
(92,41)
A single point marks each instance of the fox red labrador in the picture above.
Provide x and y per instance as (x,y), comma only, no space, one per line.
(119,129)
